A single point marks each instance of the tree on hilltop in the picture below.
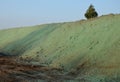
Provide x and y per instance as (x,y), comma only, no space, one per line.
(91,13)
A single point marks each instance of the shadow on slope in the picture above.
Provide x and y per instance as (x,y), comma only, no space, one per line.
(26,43)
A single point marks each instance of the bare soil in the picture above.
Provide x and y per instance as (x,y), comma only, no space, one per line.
(13,71)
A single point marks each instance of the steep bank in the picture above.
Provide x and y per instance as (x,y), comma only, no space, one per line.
(92,46)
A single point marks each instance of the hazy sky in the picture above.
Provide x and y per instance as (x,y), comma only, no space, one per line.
(17,13)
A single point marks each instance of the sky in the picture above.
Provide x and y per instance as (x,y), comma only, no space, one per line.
(20,13)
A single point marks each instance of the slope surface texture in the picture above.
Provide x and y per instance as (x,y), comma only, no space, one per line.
(87,48)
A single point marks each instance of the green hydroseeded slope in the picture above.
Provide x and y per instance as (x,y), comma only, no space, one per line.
(94,43)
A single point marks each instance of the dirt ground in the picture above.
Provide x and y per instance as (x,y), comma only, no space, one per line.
(13,71)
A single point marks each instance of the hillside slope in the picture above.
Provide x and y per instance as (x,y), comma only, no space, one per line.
(93,45)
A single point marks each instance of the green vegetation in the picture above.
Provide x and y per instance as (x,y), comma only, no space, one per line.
(90,49)
(91,13)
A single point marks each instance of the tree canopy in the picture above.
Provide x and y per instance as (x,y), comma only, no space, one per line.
(91,13)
